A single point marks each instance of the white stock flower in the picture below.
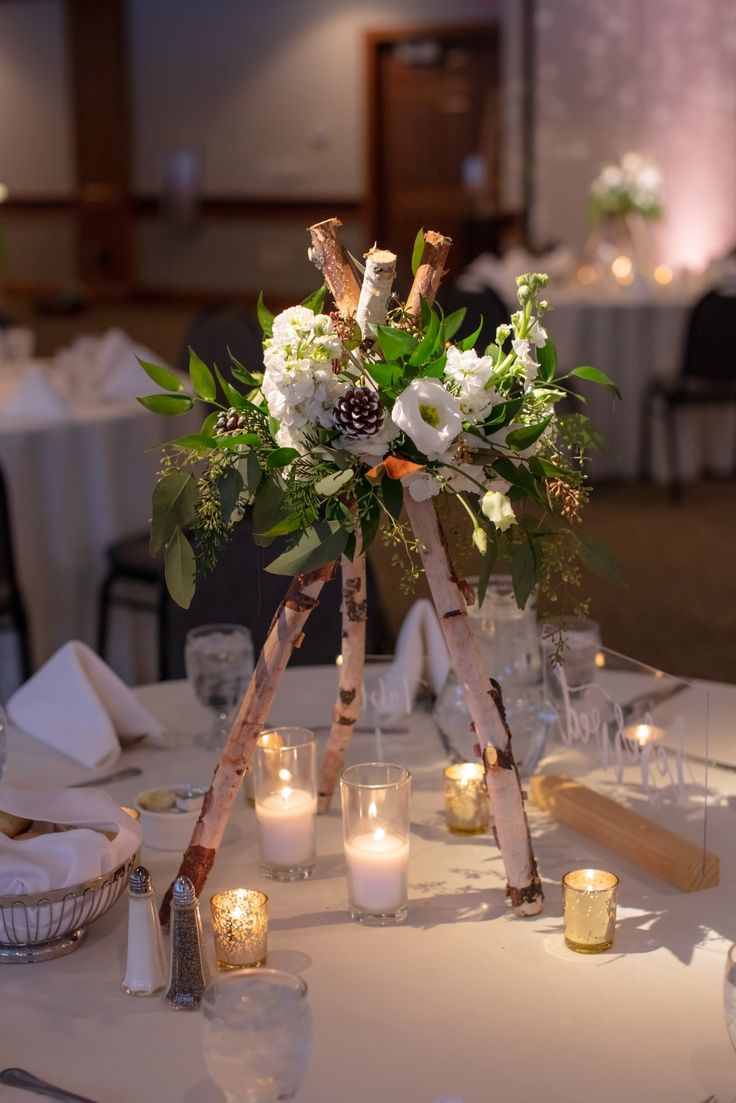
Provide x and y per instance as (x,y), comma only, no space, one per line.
(429,415)
(537,334)
(526,357)
(369,448)
(468,375)
(498,509)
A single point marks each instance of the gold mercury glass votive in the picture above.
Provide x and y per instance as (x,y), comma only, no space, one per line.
(467,804)
(240,927)
(589,909)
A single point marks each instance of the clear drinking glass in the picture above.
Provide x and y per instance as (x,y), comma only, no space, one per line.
(570,647)
(375,820)
(285,789)
(729,995)
(219,663)
(257,1035)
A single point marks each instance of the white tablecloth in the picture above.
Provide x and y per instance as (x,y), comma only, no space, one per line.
(634,337)
(75,485)
(462,1002)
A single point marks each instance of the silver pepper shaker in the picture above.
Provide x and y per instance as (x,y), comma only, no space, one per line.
(145,971)
(187,974)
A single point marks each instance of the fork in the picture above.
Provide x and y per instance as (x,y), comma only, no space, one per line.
(116,775)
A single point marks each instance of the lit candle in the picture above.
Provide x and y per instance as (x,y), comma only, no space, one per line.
(378,870)
(240,927)
(467,806)
(589,899)
(286,824)
(643,734)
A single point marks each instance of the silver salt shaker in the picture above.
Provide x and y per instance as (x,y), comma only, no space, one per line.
(145,971)
(187,973)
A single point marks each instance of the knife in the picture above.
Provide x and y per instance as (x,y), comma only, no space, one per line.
(19,1078)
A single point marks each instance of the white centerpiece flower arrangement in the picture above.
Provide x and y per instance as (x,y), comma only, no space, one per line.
(632,185)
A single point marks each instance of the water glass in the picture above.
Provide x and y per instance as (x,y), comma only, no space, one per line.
(375,819)
(257,1035)
(729,995)
(570,647)
(219,663)
(285,789)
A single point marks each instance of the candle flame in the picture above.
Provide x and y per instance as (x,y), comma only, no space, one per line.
(285,794)
(284,775)
(379,834)
(372,810)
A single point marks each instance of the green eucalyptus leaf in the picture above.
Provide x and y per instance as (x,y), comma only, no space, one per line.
(265,317)
(209,423)
(392,493)
(394,343)
(238,440)
(520,477)
(502,414)
(202,378)
(268,507)
(321,543)
(198,442)
(594,375)
(546,470)
(384,375)
(169,405)
(454,321)
(436,368)
(547,357)
(333,484)
(523,571)
(173,505)
(180,570)
(469,342)
(166,380)
(417,252)
(291,523)
(241,373)
(369,522)
(599,558)
(230,487)
(250,472)
(233,397)
(427,347)
(280,457)
(316,301)
(580,429)
(518,439)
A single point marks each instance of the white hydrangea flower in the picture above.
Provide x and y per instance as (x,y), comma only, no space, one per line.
(468,375)
(498,509)
(429,415)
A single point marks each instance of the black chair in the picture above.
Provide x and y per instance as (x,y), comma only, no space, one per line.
(238,591)
(486,304)
(707,377)
(219,329)
(12,609)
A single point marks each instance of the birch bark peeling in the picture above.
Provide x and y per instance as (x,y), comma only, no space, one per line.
(429,273)
(380,271)
(285,631)
(348,703)
(484,701)
(329,255)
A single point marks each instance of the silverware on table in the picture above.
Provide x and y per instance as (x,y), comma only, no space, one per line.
(19,1078)
(116,775)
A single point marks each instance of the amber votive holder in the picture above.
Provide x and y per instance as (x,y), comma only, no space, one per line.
(240,927)
(467,804)
(589,898)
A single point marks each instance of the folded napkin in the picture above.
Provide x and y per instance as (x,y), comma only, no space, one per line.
(35,399)
(500,273)
(61,858)
(76,704)
(116,367)
(420,649)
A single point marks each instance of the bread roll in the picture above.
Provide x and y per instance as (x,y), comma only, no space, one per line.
(11,825)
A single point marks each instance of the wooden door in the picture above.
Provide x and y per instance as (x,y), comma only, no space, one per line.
(434,135)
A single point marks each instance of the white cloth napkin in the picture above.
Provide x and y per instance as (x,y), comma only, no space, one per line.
(500,272)
(35,399)
(76,704)
(420,648)
(116,367)
(59,859)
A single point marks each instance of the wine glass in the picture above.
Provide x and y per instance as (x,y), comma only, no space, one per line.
(3,740)
(729,995)
(219,664)
(257,1036)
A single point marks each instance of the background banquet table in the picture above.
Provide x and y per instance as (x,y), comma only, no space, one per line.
(77,479)
(462,1002)
(635,336)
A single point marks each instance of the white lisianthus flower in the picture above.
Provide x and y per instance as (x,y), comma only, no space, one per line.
(468,375)
(498,509)
(526,358)
(429,415)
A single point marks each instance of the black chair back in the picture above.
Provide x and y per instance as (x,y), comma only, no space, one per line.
(11,601)
(487,304)
(240,591)
(219,328)
(710,346)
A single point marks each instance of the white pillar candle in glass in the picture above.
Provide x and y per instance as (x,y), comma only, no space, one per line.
(285,785)
(375,808)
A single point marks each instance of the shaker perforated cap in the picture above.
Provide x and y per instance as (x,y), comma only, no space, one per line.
(183,892)
(140,881)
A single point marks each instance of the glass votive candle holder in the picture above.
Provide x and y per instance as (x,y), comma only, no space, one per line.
(269,738)
(285,787)
(240,927)
(589,899)
(375,800)
(467,804)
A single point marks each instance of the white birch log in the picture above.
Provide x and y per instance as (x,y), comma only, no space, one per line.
(284,635)
(485,704)
(348,702)
(380,271)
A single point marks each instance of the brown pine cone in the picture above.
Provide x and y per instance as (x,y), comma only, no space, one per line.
(358,413)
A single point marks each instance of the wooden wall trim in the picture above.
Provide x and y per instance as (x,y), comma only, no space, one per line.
(307,210)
